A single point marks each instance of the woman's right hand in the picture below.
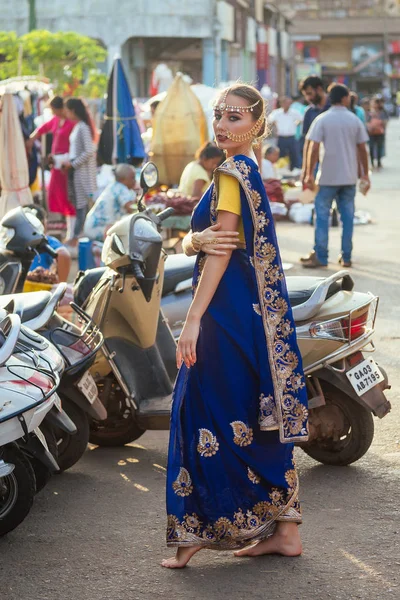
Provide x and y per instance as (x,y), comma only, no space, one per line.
(224,240)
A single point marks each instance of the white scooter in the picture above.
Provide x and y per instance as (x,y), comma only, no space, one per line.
(28,394)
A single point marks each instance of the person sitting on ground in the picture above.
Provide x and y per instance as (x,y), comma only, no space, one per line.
(196,176)
(272,182)
(271,157)
(44,259)
(115,202)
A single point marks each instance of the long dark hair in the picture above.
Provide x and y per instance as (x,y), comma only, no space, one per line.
(82,112)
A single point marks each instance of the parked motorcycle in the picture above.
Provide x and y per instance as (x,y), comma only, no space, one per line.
(136,369)
(76,347)
(28,394)
(335,325)
(21,237)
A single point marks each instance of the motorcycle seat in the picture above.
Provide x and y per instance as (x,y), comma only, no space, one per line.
(86,283)
(178,267)
(301,288)
(33,303)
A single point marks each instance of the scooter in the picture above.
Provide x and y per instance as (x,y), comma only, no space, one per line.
(22,236)
(28,394)
(335,328)
(76,348)
(136,369)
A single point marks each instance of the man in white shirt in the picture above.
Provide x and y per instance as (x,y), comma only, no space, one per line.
(286,120)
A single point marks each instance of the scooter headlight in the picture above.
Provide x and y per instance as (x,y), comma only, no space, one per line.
(6,235)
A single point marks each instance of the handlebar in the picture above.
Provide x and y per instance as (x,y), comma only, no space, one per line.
(47,248)
(168,212)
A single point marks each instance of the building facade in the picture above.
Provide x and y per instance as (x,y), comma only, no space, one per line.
(213,41)
(356,42)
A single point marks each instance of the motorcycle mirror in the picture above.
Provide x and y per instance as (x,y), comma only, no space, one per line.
(148,177)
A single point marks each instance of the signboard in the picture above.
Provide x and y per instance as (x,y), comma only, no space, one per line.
(303,70)
(262,56)
(394,47)
(368,59)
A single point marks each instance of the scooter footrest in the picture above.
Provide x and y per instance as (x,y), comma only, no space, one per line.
(154,413)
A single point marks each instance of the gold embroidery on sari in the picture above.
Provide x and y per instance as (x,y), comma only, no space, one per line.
(202,262)
(253,477)
(244,526)
(182,486)
(242,435)
(291,416)
(257,309)
(267,415)
(208,445)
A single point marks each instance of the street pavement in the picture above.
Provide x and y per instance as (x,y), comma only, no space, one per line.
(97,531)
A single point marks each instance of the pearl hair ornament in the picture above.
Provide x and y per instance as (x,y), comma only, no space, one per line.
(222,106)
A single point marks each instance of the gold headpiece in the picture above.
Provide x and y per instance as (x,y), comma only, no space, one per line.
(222,106)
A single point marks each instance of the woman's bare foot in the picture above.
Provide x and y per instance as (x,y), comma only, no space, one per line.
(183,555)
(285,541)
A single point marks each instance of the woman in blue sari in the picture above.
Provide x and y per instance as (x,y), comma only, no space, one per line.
(240,398)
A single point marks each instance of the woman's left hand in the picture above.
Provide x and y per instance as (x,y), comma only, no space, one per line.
(186,350)
(66,166)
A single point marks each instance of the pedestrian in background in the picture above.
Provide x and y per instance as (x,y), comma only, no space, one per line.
(344,139)
(116,201)
(286,120)
(356,109)
(60,127)
(81,166)
(299,105)
(314,93)
(377,121)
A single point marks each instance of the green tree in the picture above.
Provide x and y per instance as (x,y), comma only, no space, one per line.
(64,57)
(94,86)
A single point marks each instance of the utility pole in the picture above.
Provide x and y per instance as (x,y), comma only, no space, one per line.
(32,15)
(217,28)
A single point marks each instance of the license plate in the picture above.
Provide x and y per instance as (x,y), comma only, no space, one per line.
(364,376)
(88,387)
(41,437)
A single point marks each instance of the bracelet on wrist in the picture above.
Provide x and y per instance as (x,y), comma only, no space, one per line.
(195,243)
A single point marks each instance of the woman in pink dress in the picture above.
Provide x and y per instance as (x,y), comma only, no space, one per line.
(61,128)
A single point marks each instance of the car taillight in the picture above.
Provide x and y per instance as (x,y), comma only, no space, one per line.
(355,327)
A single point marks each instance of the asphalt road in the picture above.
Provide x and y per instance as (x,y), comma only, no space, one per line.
(97,532)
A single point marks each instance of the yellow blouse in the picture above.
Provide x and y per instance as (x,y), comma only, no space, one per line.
(229,199)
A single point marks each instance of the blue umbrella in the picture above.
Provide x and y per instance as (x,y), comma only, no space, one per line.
(120,140)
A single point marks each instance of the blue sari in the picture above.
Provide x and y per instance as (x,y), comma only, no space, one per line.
(238,410)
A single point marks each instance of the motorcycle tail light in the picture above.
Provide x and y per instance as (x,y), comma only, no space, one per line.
(358,324)
(355,328)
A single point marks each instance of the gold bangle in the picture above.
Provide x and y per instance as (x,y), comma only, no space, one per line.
(195,243)
(213,241)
